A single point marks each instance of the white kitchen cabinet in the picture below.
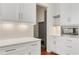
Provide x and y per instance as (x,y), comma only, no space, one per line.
(0,10)
(69,13)
(31,48)
(65,14)
(68,46)
(75,13)
(51,44)
(75,46)
(56,17)
(56,44)
(35,48)
(15,49)
(60,46)
(28,12)
(64,45)
(21,51)
(9,11)
(20,12)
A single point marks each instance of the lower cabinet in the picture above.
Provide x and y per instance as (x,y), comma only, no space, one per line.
(35,48)
(60,46)
(51,44)
(21,51)
(31,48)
(64,45)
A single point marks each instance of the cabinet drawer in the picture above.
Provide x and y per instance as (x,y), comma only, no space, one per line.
(20,51)
(35,48)
(12,48)
(31,48)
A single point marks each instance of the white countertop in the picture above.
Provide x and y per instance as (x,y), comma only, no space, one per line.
(6,42)
(70,36)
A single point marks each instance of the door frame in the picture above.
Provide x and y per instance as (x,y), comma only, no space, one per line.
(45,20)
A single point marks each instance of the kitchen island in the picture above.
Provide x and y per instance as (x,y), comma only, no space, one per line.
(20,46)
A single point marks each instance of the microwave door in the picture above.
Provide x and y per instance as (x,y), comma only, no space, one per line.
(68,31)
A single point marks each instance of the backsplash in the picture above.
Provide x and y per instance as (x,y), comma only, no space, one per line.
(9,30)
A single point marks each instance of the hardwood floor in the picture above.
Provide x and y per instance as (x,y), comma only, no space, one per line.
(44,52)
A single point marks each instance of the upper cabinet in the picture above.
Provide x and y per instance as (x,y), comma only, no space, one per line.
(23,12)
(29,12)
(9,11)
(69,14)
(75,13)
(56,17)
(65,14)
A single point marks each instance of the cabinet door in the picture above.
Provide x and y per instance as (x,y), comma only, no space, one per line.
(0,10)
(10,11)
(75,47)
(35,48)
(19,49)
(75,13)
(65,12)
(60,46)
(51,44)
(29,13)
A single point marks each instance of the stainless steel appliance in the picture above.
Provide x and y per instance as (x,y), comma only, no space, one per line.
(69,30)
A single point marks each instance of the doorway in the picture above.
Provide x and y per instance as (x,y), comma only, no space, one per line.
(40,30)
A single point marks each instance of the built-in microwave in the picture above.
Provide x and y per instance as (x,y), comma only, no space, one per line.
(69,30)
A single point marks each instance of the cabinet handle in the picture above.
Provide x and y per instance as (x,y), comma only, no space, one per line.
(10,50)
(29,53)
(69,46)
(34,44)
(54,42)
(19,15)
(69,40)
(67,54)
